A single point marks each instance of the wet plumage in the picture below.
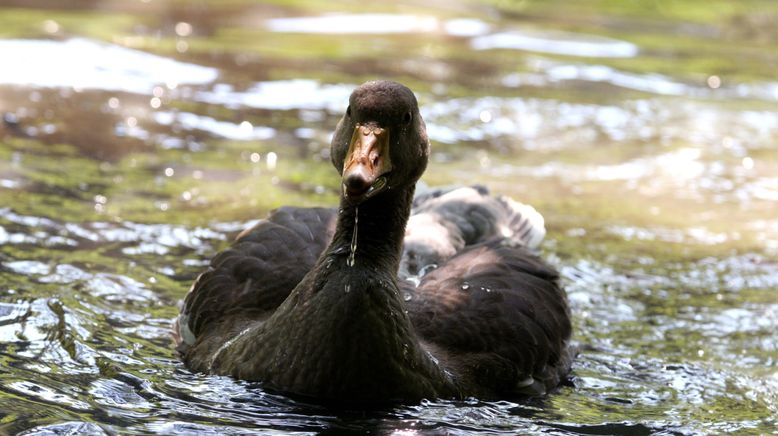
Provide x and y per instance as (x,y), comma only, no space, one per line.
(310,301)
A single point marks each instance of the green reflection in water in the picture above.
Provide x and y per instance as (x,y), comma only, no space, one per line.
(664,238)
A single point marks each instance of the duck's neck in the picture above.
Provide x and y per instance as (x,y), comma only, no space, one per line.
(344,333)
(371,234)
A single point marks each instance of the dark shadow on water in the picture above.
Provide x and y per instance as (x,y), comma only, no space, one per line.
(617,429)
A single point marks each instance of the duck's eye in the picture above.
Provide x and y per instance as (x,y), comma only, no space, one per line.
(407,117)
(348,111)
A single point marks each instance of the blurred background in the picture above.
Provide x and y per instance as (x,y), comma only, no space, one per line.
(138,136)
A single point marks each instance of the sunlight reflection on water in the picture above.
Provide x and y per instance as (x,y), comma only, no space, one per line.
(282,95)
(86,64)
(555,42)
(377,23)
(541,109)
(243,131)
(359,23)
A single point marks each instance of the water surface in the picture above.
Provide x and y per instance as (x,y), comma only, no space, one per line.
(138,138)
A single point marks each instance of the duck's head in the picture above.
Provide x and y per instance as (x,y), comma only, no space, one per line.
(381,141)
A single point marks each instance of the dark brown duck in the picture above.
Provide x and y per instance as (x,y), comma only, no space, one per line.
(309,301)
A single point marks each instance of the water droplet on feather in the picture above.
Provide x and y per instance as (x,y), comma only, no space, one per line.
(352,255)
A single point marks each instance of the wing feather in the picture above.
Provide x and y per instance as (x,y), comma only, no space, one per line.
(500,303)
(257,272)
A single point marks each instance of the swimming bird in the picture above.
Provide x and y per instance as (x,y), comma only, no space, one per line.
(313,302)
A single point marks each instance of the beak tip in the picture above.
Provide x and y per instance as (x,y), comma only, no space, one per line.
(357,181)
(361,192)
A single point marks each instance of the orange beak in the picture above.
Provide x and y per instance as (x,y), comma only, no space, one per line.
(366,164)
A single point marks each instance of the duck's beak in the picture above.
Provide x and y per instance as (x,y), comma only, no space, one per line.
(367,163)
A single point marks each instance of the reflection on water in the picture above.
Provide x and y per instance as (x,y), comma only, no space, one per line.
(562,43)
(650,83)
(362,23)
(85,64)
(137,139)
(598,73)
(377,23)
(243,131)
(281,94)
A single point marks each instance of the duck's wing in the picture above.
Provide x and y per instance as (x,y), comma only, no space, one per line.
(496,314)
(445,221)
(256,273)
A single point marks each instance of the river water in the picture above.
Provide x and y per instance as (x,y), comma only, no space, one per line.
(138,137)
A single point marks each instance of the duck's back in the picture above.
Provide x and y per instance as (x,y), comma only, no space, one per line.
(496,315)
(486,304)
(446,221)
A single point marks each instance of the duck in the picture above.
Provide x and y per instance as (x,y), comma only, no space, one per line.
(392,297)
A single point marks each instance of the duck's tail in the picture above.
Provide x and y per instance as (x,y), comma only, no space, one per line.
(445,221)
(522,223)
